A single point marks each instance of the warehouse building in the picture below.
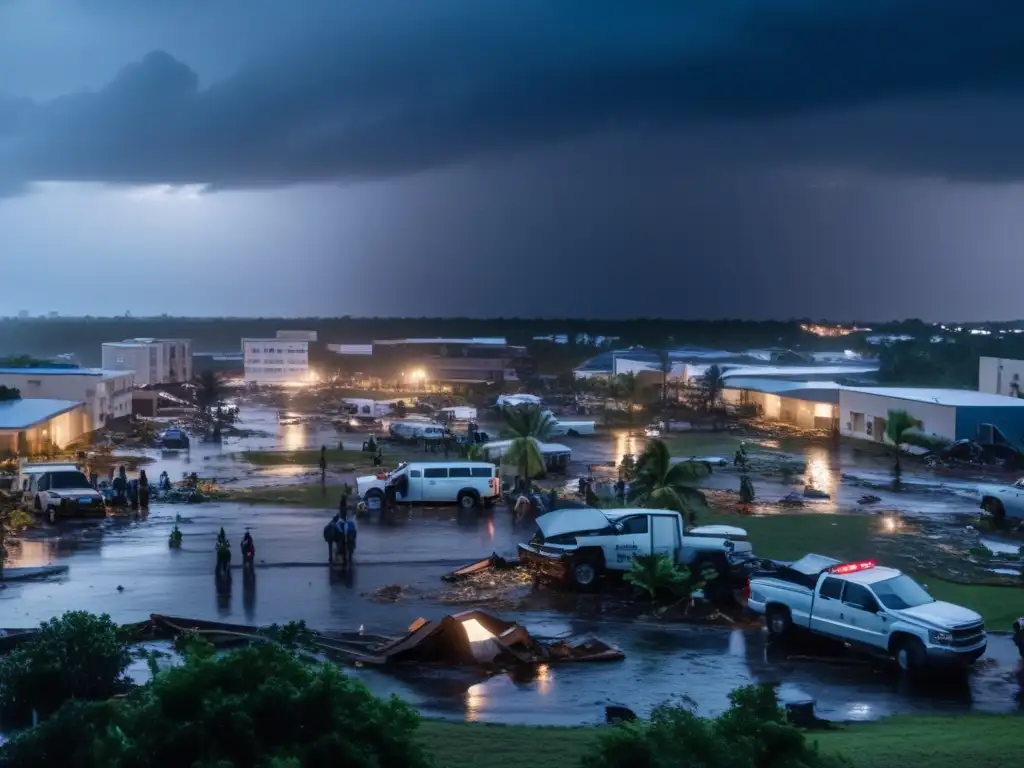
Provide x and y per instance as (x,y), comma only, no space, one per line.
(803,404)
(952,414)
(28,426)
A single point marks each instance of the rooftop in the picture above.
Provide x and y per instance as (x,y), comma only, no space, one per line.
(786,371)
(493,341)
(953,397)
(24,414)
(101,372)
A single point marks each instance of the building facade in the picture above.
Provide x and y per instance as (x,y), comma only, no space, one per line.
(1001,376)
(153,361)
(277,361)
(951,414)
(29,426)
(449,362)
(107,394)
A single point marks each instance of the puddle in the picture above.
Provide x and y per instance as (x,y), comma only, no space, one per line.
(1000,547)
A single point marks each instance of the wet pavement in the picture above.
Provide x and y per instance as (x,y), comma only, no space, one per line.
(123,567)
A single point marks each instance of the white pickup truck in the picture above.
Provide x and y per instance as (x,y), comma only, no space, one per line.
(580,544)
(878,610)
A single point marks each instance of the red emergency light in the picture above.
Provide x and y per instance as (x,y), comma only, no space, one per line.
(863,565)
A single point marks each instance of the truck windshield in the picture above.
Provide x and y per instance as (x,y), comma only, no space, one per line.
(901,592)
(60,480)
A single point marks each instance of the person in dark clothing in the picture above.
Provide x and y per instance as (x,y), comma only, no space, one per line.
(120,486)
(323,464)
(143,489)
(343,503)
(620,490)
(248,550)
(378,458)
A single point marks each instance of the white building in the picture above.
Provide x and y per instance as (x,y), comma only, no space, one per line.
(29,426)
(107,394)
(276,361)
(1001,376)
(153,361)
(952,414)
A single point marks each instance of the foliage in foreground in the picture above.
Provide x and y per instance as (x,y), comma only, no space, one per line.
(75,656)
(259,707)
(752,733)
(12,520)
(528,426)
(657,574)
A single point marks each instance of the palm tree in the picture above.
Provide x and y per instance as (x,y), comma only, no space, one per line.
(662,484)
(897,424)
(528,426)
(712,383)
(208,392)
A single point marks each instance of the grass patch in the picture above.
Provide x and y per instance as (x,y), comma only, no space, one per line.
(335,457)
(982,741)
(849,537)
(1000,606)
(699,444)
(313,496)
(790,537)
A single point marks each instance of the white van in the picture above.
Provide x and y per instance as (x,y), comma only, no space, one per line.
(58,490)
(411,429)
(556,456)
(466,483)
(457,413)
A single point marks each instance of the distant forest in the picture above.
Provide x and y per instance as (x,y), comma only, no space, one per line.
(917,362)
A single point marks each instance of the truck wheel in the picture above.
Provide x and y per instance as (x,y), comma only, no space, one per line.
(778,621)
(51,515)
(995,508)
(468,499)
(910,656)
(585,572)
(38,504)
(374,494)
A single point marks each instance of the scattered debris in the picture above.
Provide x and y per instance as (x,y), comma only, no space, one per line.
(390,593)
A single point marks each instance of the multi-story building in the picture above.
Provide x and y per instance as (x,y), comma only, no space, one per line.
(450,362)
(107,394)
(154,361)
(281,360)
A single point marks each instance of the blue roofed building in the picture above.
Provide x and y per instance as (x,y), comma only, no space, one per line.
(27,426)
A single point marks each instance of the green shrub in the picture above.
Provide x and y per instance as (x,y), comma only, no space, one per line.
(258,707)
(75,656)
(752,733)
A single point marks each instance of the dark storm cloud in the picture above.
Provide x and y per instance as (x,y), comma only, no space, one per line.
(389,88)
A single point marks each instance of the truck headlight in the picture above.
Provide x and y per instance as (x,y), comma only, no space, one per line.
(939,637)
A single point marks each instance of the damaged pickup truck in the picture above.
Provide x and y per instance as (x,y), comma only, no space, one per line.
(580,545)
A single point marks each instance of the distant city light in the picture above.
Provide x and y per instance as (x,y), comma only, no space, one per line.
(831,330)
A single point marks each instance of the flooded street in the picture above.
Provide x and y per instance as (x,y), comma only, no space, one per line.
(123,566)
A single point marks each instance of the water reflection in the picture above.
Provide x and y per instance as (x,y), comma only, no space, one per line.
(476,700)
(625,444)
(819,471)
(294,437)
(31,554)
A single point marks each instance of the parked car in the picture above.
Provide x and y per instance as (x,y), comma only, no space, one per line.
(415,430)
(580,545)
(59,490)
(1003,501)
(878,610)
(174,440)
(466,483)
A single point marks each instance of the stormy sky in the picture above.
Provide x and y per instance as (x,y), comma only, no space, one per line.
(675,158)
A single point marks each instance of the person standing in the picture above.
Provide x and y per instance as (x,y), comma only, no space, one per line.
(143,489)
(323,464)
(343,502)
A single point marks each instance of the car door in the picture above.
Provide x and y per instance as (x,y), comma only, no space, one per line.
(632,538)
(860,612)
(826,608)
(435,484)
(664,536)
(415,486)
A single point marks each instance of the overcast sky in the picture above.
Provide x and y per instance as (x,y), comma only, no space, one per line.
(674,158)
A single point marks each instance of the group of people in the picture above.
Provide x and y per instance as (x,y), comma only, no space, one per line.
(223,550)
(340,534)
(122,492)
